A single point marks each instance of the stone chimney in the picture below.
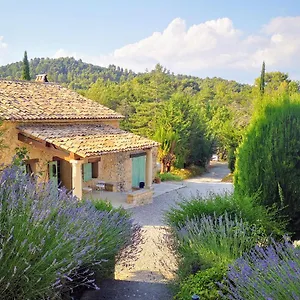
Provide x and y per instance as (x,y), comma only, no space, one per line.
(41,78)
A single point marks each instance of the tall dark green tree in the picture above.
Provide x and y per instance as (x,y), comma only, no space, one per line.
(25,71)
(268,160)
(262,79)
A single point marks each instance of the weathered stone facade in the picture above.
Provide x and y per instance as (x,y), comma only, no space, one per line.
(115,168)
(10,142)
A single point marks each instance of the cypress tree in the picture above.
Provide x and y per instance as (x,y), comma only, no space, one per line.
(25,72)
(262,79)
(268,160)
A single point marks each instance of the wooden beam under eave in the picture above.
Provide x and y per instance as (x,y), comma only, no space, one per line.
(44,146)
(75,156)
(94,159)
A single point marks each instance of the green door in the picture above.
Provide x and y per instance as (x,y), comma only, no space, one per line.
(138,170)
(53,173)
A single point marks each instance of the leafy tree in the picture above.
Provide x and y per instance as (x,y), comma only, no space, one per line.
(226,110)
(175,116)
(179,118)
(276,83)
(25,69)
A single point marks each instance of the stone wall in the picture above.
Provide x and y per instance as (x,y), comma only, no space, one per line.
(11,142)
(140,197)
(116,168)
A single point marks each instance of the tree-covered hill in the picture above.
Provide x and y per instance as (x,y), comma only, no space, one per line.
(73,73)
(188,115)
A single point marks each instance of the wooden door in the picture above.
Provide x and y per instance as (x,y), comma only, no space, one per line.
(138,170)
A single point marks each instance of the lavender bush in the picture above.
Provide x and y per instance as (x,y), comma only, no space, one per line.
(49,244)
(271,273)
(217,239)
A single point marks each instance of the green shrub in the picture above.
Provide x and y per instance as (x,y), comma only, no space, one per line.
(189,172)
(268,160)
(266,220)
(169,177)
(203,283)
(231,159)
(104,205)
(228,178)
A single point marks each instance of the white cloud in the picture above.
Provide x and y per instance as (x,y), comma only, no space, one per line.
(210,46)
(63,53)
(3,50)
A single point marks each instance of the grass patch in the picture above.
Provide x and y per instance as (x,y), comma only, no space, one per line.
(190,172)
(181,174)
(169,177)
(228,178)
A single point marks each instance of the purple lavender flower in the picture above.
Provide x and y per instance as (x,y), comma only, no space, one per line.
(271,272)
(50,242)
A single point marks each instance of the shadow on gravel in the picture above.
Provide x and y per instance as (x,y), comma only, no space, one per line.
(120,289)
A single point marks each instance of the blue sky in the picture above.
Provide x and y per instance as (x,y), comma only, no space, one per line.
(204,38)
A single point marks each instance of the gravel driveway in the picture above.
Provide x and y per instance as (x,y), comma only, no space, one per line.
(152,214)
(147,276)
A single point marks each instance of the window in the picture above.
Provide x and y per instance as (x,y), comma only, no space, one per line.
(28,169)
(95,172)
(90,170)
(29,166)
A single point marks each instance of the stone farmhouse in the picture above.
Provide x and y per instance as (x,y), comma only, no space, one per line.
(71,140)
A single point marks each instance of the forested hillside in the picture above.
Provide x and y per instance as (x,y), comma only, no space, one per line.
(67,71)
(191,117)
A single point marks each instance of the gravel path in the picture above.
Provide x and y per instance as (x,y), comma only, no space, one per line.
(156,265)
(152,214)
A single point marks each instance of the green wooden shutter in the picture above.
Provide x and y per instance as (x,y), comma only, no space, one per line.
(142,167)
(53,175)
(87,172)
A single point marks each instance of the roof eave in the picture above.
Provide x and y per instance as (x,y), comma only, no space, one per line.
(63,119)
(118,151)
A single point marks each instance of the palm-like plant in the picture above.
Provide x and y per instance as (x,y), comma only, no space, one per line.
(167,138)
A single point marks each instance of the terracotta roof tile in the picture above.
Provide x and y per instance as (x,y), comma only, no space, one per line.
(88,140)
(29,100)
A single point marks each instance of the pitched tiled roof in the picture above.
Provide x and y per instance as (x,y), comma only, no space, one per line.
(29,100)
(87,140)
